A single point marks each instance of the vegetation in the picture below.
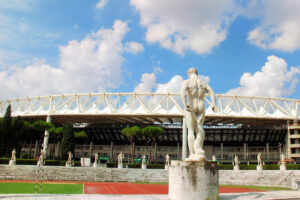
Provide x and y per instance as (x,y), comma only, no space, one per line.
(130,133)
(68,141)
(47,188)
(151,133)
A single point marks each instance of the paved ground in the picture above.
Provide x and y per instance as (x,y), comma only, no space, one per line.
(273,195)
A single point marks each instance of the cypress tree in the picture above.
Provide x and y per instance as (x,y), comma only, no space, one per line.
(7,133)
(68,141)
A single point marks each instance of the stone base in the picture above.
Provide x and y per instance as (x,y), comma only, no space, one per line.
(144,166)
(236,168)
(282,167)
(12,162)
(120,166)
(95,165)
(259,167)
(68,165)
(166,167)
(193,180)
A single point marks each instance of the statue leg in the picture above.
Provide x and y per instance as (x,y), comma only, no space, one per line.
(191,136)
(198,145)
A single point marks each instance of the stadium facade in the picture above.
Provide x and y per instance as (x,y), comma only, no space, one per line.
(242,125)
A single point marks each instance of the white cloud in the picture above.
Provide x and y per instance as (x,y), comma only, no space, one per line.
(173,86)
(185,25)
(274,80)
(101,3)
(134,47)
(157,69)
(93,64)
(147,84)
(279,26)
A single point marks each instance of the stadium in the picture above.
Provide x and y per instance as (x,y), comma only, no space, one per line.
(242,125)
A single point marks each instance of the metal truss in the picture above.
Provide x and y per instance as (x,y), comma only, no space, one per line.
(149,104)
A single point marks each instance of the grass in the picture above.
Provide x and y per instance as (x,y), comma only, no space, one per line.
(256,187)
(47,188)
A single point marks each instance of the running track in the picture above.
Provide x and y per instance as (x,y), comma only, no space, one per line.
(135,188)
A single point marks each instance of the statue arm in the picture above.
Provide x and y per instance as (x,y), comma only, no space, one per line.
(183,94)
(212,97)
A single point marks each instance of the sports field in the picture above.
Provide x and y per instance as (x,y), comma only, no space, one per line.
(21,187)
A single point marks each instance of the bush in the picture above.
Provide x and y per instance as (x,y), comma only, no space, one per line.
(271,167)
(225,167)
(248,167)
(293,166)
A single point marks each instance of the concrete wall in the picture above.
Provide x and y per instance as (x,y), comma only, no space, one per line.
(274,178)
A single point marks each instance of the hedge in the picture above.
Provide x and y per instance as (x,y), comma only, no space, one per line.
(135,165)
(34,162)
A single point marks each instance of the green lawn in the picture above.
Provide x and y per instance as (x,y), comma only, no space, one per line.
(46,188)
(256,187)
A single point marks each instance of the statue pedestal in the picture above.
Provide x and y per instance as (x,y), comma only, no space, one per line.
(259,168)
(95,165)
(236,168)
(193,180)
(120,166)
(12,162)
(166,167)
(68,165)
(144,166)
(282,167)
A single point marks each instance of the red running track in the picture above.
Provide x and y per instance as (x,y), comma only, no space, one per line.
(134,188)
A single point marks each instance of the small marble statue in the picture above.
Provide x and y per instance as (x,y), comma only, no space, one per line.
(282,158)
(120,160)
(282,162)
(259,161)
(13,155)
(194,90)
(168,163)
(96,160)
(13,158)
(214,158)
(69,161)
(236,160)
(41,161)
(144,164)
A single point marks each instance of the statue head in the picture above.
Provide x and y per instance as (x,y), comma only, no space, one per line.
(192,71)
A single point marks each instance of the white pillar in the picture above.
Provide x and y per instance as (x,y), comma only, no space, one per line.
(91,149)
(184,139)
(245,151)
(268,151)
(46,138)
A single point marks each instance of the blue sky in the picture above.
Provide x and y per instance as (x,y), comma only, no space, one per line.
(239,47)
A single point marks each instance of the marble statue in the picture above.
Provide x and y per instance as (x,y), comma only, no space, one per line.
(236,160)
(194,90)
(282,158)
(259,161)
(120,160)
(69,161)
(96,160)
(168,160)
(13,155)
(214,158)
(13,158)
(144,160)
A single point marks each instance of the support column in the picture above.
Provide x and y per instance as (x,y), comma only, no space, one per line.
(46,138)
(245,151)
(268,151)
(58,150)
(111,150)
(91,149)
(35,149)
(221,153)
(178,150)
(184,139)
(155,149)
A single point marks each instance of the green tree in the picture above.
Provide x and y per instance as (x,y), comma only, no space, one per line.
(151,133)
(130,132)
(68,141)
(7,134)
